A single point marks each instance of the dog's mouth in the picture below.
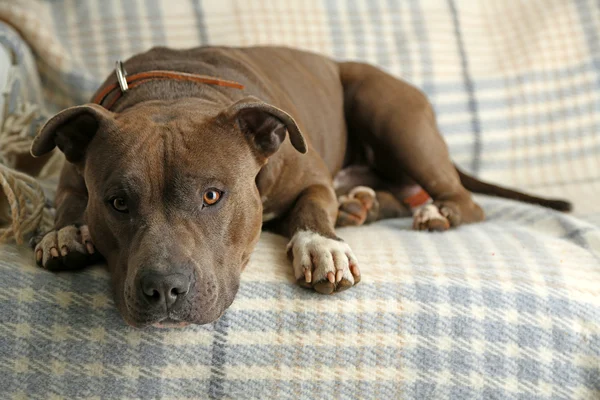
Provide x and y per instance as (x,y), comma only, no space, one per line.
(170,323)
(170,319)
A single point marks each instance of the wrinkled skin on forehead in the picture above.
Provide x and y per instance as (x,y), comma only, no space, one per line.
(161,156)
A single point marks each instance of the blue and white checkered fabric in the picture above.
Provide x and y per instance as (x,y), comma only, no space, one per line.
(505,309)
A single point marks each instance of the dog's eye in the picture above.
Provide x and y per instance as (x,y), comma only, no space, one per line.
(119,204)
(211,197)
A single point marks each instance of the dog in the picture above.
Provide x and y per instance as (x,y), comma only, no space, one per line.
(173,169)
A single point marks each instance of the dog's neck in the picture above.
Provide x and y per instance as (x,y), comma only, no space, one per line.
(110,93)
(167,90)
(171,91)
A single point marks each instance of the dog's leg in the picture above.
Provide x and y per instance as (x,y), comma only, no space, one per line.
(396,121)
(321,260)
(68,245)
(364,198)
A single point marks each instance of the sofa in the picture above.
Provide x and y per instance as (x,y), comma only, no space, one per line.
(504,309)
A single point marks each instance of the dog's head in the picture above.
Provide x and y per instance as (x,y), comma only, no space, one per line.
(172,199)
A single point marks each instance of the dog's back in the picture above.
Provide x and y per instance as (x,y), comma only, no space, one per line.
(305,84)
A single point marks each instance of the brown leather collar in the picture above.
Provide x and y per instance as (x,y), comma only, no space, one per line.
(125,83)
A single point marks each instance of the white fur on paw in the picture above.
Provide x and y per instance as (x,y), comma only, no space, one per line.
(314,256)
(429,217)
(356,191)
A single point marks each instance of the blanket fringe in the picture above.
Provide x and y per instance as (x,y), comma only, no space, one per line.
(25,211)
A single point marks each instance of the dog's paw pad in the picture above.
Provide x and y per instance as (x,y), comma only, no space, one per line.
(327,265)
(67,248)
(429,218)
(357,207)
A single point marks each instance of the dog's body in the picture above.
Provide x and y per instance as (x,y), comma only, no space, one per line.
(172,184)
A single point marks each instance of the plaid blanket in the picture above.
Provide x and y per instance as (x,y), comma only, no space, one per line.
(509,308)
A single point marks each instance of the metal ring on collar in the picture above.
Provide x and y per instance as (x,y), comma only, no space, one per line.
(121,74)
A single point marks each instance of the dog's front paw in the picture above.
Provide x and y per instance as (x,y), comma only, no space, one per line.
(67,248)
(327,265)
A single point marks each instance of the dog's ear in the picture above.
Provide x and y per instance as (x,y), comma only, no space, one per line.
(71,130)
(265,126)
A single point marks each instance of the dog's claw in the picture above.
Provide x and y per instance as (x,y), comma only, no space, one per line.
(338,275)
(307,276)
(355,272)
(331,277)
(87,239)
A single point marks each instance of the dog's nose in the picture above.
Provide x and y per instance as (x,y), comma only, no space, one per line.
(158,288)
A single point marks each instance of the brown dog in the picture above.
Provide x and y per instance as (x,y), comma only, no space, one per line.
(173,181)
